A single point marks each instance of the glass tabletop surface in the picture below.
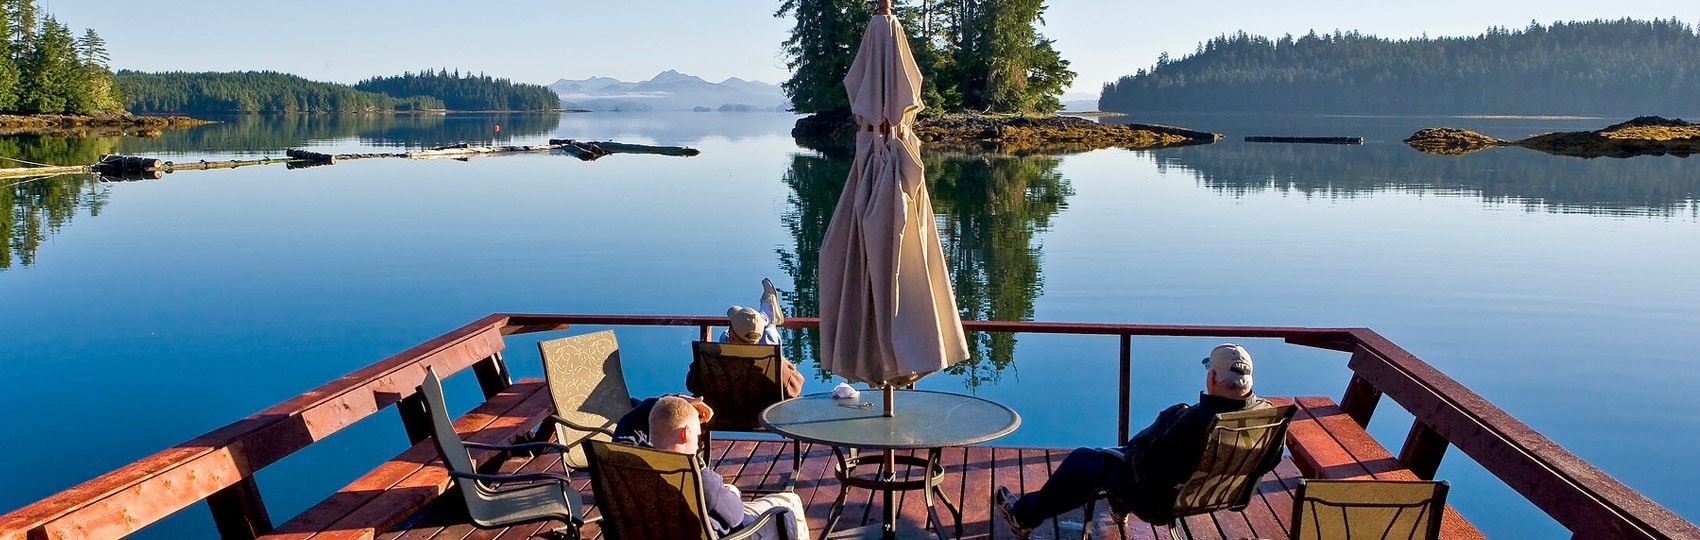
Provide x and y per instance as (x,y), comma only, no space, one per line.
(922,419)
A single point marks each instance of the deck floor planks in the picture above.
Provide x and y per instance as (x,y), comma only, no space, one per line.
(815,485)
(971,476)
(979,520)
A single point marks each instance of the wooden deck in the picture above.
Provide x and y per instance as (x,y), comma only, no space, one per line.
(970,476)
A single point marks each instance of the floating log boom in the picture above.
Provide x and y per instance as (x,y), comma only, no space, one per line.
(1307,140)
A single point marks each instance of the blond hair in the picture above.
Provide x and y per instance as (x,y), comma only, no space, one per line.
(671,413)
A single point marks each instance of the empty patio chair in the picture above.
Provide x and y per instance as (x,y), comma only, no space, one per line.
(520,498)
(588,388)
(648,494)
(1368,509)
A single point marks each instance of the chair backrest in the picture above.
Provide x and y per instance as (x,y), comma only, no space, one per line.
(449,447)
(1239,443)
(737,380)
(1378,509)
(648,494)
(587,384)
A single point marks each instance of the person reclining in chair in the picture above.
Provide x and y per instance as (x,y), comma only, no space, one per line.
(1152,463)
(674,425)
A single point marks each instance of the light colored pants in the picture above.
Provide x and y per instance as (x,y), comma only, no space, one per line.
(798,525)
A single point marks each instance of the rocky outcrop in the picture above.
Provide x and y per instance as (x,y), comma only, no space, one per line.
(1007,134)
(1451,141)
(74,125)
(1643,136)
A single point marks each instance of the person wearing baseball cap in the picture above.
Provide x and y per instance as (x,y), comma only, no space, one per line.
(1142,473)
(759,325)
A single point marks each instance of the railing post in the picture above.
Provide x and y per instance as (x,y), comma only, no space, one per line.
(1360,400)
(1423,450)
(703,333)
(238,511)
(492,375)
(1126,394)
(415,418)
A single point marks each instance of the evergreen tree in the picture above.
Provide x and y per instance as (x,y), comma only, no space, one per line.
(821,48)
(21,20)
(8,69)
(981,55)
(99,93)
(51,80)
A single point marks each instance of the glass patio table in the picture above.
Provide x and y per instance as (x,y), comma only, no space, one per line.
(923,420)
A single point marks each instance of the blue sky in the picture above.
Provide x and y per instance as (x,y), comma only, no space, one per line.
(632,40)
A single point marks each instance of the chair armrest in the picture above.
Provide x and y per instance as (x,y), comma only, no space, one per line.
(516,477)
(752,528)
(580,427)
(520,447)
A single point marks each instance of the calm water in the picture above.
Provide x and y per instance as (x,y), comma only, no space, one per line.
(136,315)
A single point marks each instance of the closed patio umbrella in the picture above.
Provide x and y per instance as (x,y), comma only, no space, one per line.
(887,313)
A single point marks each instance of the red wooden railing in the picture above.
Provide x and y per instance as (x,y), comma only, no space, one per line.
(218,467)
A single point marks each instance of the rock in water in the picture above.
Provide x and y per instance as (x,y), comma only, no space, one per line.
(1451,141)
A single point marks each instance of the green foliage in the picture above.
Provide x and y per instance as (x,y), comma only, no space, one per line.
(980,55)
(1007,65)
(466,93)
(1623,67)
(45,69)
(821,48)
(251,92)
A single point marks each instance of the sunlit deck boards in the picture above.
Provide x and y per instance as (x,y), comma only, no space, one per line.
(970,476)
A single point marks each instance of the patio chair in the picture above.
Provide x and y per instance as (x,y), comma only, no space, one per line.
(588,387)
(647,494)
(1237,447)
(739,380)
(520,498)
(1379,509)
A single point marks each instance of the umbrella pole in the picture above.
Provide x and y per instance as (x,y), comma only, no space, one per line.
(890,408)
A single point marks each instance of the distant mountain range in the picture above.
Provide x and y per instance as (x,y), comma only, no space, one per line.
(670,91)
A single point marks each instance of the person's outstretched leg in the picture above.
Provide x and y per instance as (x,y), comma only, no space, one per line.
(1076,480)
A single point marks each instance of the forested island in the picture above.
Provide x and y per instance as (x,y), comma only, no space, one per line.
(990,79)
(465,93)
(1608,68)
(272,92)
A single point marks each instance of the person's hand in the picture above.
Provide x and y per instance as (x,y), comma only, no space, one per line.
(704,413)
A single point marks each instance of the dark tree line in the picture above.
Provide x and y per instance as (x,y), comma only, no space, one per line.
(1622,67)
(44,68)
(466,93)
(251,92)
(975,55)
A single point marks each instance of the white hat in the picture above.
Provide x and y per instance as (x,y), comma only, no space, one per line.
(1231,364)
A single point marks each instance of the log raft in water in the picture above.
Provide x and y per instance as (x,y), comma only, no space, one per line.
(136,167)
(1309,140)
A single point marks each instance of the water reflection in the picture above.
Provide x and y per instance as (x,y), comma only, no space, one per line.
(35,207)
(991,209)
(1645,186)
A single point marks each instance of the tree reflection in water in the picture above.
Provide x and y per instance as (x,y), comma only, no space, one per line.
(989,210)
(36,207)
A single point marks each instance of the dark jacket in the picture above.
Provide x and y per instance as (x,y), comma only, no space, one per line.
(1163,454)
(725,508)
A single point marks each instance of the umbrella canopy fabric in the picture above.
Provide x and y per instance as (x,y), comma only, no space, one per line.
(887,312)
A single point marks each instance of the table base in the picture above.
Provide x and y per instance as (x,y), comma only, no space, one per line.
(886,481)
